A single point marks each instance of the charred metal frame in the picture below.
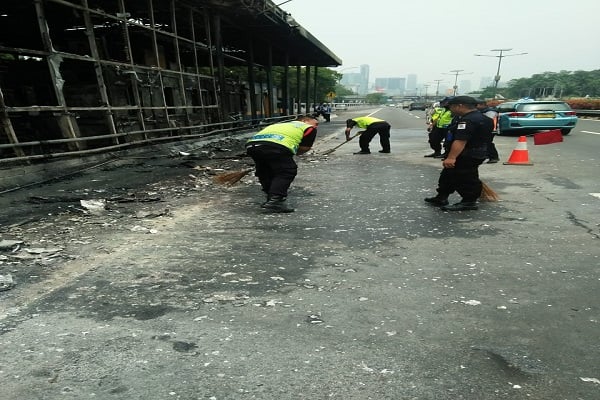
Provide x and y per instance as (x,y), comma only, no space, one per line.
(87,76)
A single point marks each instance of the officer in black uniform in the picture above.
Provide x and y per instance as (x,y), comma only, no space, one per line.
(469,136)
(483,108)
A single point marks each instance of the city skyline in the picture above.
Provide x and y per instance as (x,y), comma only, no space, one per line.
(408,85)
(392,47)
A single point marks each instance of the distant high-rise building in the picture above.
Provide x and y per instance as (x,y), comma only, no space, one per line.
(381,84)
(391,86)
(486,81)
(364,79)
(411,82)
(358,82)
(396,85)
(464,87)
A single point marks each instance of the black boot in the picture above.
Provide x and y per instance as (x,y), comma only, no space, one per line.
(278,204)
(437,201)
(266,201)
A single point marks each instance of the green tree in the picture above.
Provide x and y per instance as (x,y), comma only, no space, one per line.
(327,80)
(375,98)
(561,84)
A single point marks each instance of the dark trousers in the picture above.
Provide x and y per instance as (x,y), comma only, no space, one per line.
(381,128)
(436,136)
(463,178)
(492,153)
(275,168)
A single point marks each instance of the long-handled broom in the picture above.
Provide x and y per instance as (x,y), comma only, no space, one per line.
(341,144)
(231,178)
(487,193)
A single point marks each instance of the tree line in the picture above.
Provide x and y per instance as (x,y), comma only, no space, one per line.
(560,85)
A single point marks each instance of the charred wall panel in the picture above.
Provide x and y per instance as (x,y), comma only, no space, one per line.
(80,75)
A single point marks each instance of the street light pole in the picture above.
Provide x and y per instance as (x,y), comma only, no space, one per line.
(426,87)
(437,87)
(499,56)
(456,73)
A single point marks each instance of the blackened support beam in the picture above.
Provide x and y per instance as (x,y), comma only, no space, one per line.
(315,86)
(184,99)
(89,26)
(251,78)
(159,67)
(218,46)
(8,128)
(307,87)
(65,120)
(298,89)
(133,78)
(270,97)
(285,89)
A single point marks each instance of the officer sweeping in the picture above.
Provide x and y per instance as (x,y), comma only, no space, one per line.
(273,150)
(372,126)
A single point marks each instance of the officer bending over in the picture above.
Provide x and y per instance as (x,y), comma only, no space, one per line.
(273,150)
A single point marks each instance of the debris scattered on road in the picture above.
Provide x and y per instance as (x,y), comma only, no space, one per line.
(314,319)
(6,282)
(94,206)
(9,244)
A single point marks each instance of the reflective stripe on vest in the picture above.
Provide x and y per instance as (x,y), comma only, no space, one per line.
(363,122)
(444,119)
(288,134)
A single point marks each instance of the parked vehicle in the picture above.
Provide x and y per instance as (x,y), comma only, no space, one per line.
(527,115)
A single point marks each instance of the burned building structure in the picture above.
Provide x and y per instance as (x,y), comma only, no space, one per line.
(87,76)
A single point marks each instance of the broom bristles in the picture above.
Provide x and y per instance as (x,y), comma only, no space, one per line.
(230,178)
(487,193)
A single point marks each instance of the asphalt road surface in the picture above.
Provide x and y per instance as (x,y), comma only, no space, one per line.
(182,289)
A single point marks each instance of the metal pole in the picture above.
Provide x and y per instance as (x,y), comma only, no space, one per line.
(437,87)
(456,73)
(499,56)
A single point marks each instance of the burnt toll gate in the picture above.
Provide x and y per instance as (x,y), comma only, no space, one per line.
(89,76)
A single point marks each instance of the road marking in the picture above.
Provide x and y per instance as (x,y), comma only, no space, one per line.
(596,195)
(593,133)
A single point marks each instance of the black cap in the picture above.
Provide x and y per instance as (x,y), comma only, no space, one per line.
(463,100)
(480,101)
(445,100)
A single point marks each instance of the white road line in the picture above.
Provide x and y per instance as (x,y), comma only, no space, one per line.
(593,133)
(595,195)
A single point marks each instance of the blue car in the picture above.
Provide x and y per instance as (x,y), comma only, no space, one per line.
(532,116)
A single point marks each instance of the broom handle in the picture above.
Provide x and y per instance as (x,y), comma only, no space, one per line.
(343,143)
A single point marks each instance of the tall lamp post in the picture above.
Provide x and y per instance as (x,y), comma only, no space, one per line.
(437,87)
(500,55)
(426,87)
(456,73)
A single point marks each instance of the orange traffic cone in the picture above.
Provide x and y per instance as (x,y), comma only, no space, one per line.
(520,155)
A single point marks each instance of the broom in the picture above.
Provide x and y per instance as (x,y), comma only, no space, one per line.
(231,178)
(487,193)
(341,144)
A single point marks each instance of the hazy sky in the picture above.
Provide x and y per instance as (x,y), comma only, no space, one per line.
(433,37)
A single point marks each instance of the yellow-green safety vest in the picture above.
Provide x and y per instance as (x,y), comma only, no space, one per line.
(288,134)
(363,122)
(442,119)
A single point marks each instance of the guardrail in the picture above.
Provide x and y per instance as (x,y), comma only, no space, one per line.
(587,113)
